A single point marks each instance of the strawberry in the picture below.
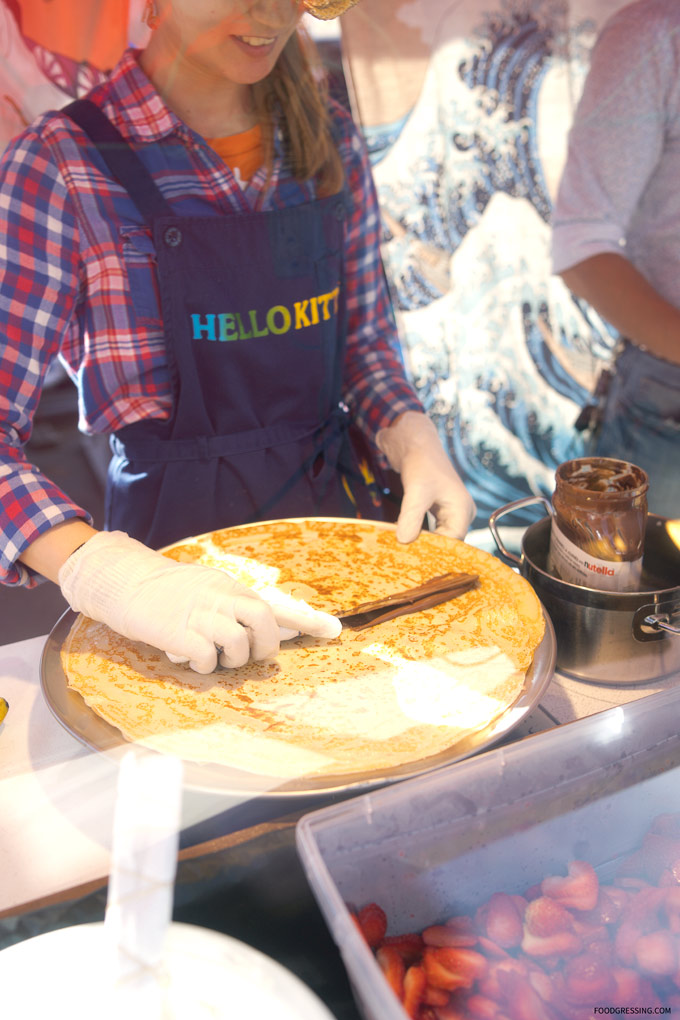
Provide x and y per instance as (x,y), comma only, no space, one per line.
(415,982)
(451,968)
(392,966)
(491,948)
(587,980)
(545,916)
(607,910)
(657,853)
(656,954)
(523,1003)
(501,921)
(618,897)
(409,945)
(482,1007)
(490,984)
(462,925)
(372,922)
(643,908)
(435,996)
(562,943)
(448,935)
(626,987)
(625,941)
(578,890)
(542,984)
(449,1012)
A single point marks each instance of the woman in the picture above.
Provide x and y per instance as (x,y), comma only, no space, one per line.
(199,243)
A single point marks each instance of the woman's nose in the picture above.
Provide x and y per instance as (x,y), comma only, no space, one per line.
(277,13)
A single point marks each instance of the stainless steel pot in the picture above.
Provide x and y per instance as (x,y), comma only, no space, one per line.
(607,637)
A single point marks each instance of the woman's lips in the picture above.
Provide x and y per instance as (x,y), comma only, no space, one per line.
(255,45)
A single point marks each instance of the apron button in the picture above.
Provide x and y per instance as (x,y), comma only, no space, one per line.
(172,237)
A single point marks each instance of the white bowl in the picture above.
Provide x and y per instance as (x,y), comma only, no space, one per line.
(204,974)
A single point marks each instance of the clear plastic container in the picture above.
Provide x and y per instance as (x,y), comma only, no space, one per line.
(441,844)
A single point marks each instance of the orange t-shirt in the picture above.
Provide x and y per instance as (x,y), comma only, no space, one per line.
(242,152)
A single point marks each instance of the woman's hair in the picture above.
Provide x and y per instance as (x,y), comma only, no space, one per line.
(295,96)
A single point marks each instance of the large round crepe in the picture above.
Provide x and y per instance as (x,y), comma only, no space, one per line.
(373,699)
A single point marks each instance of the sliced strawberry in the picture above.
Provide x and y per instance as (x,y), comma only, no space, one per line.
(551,963)
(491,983)
(372,922)
(625,941)
(435,996)
(587,931)
(452,968)
(522,1001)
(491,948)
(656,954)
(392,966)
(578,890)
(607,910)
(626,987)
(632,884)
(562,943)
(618,897)
(643,908)
(542,984)
(409,945)
(461,924)
(482,1007)
(587,980)
(448,935)
(545,916)
(415,982)
(501,921)
(657,853)
(449,1012)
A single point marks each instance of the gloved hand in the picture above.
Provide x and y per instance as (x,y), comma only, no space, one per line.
(413,449)
(187,610)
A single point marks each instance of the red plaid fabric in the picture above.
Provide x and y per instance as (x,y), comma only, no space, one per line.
(78,282)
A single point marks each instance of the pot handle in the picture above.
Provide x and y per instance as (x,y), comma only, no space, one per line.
(509,508)
(661,621)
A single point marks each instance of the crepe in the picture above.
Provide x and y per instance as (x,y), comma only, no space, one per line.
(368,700)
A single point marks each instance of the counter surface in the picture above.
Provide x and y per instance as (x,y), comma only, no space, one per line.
(238,870)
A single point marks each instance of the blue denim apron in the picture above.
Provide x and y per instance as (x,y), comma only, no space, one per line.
(641,422)
(255,319)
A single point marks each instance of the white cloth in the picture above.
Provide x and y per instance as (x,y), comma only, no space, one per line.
(619,191)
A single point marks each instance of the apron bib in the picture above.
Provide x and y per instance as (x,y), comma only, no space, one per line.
(254,318)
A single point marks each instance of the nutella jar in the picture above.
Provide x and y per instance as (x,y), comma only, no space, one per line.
(598,525)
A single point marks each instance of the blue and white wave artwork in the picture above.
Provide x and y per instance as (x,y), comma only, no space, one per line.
(501,354)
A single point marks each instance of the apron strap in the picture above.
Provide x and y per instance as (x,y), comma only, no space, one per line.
(121,159)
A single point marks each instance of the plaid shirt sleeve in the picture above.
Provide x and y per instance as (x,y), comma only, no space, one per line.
(376,387)
(38,288)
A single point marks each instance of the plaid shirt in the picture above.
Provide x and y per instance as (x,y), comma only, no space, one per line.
(78,281)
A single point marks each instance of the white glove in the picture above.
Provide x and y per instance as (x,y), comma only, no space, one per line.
(413,449)
(189,611)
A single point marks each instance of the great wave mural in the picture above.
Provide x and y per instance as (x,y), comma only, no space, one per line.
(501,354)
